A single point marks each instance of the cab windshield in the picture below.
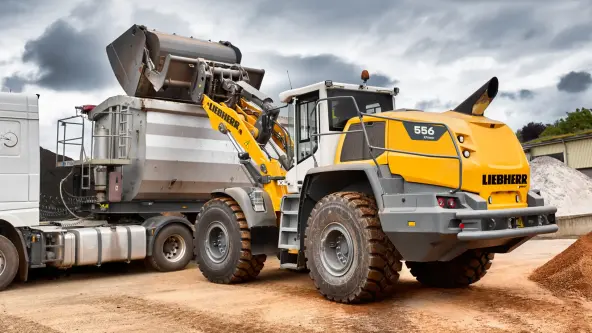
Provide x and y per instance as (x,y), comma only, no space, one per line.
(341,110)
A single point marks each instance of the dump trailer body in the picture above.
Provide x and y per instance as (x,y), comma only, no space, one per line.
(171,151)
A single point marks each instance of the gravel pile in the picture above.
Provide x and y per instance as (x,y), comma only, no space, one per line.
(570,272)
(563,187)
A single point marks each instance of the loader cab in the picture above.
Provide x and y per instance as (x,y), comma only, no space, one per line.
(310,126)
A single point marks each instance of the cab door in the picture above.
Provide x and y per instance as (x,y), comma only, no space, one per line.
(307,148)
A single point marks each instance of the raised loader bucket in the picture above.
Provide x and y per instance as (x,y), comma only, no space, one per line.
(153,64)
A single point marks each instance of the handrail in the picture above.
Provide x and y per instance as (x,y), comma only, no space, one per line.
(371,147)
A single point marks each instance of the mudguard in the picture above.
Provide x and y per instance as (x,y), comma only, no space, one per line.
(263,225)
(321,181)
(154,224)
(254,219)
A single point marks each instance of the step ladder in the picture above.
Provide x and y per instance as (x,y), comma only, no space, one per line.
(291,255)
(123,135)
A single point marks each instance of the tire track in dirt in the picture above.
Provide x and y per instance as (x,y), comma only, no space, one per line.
(14,324)
(524,313)
(181,319)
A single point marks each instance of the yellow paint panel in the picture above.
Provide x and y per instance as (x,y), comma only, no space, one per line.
(218,114)
(493,147)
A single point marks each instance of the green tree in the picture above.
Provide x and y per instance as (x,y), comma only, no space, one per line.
(530,131)
(577,121)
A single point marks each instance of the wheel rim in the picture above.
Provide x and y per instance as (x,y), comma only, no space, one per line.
(2,262)
(336,249)
(217,242)
(174,248)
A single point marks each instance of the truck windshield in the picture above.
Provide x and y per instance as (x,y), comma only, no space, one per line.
(342,110)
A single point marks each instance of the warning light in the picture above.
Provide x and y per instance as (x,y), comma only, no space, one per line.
(365,76)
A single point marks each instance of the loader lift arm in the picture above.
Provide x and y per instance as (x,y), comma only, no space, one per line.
(264,171)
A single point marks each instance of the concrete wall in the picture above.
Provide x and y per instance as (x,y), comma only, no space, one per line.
(572,226)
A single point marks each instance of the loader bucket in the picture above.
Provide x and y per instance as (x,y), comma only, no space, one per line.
(153,64)
(476,104)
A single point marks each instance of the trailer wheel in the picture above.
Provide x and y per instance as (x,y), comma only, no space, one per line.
(461,271)
(223,243)
(349,257)
(9,262)
(172,249)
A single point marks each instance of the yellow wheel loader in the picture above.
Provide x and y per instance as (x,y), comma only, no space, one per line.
(351,187)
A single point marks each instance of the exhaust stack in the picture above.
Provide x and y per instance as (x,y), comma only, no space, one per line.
(476,104)
(153,64)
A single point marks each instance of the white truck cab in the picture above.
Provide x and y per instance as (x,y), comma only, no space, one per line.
(19,159)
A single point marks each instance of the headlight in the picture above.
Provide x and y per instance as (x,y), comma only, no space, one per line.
(257,201)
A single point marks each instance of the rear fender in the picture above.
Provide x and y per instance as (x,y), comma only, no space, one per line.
(155,224)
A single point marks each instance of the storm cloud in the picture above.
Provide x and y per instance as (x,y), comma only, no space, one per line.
(305,70)
(67,59)
(13,83)
(435,105)
(575,82)
(436,52)
(573,36)
(522,94)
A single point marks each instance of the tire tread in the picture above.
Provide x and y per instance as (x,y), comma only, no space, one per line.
(461,271)
(249,266)
(385,264)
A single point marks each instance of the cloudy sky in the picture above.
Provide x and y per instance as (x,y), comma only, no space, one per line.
(436,51)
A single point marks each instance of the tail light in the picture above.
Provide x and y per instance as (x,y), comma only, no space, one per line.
(448,202)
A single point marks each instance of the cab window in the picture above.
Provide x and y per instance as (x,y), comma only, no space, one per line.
(306,125)
(341,110)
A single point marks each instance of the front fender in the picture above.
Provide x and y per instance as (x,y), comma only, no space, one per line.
(263,225)
(254,219)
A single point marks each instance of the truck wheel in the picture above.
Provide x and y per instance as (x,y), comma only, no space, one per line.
(172,249)
(223,243)
(350,258)
(9,262)
(461,271)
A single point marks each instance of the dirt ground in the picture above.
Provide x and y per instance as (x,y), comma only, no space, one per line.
(133,299)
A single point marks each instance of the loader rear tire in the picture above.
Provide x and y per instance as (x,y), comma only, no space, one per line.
(223,243)
(350,258)
(461,271)
(9,262)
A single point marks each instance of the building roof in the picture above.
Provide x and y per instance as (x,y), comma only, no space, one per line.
(558,139)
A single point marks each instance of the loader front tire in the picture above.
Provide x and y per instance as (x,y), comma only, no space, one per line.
(223,243)
(461,271)
(9,262)
(349,257)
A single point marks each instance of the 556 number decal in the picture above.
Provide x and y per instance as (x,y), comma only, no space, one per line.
(424,131)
